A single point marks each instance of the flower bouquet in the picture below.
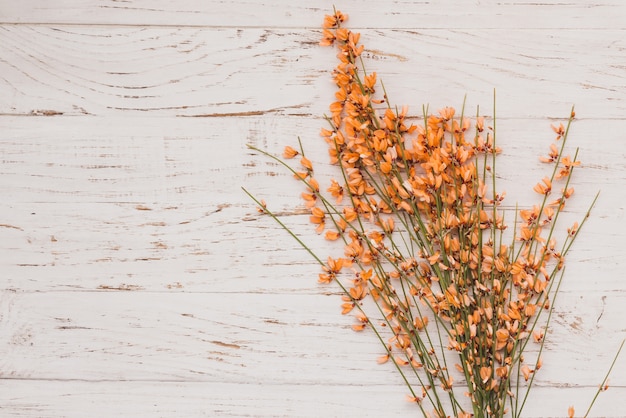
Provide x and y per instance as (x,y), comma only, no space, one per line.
(459,298)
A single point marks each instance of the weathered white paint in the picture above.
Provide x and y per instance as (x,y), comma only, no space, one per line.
(138,280)
(448,14)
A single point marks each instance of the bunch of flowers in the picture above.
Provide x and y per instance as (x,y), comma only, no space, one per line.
(429,264)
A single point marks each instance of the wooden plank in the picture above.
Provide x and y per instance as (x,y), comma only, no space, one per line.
(168,162)
(205,399)
(202,161)
(51,247)
(173,71)
(243,337)
(194,352)
(157,206)
(576,14)
(184,248)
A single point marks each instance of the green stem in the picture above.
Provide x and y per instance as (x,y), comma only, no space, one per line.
(606,377)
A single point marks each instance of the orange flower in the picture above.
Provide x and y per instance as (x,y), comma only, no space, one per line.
(554,154)
(383,359)
(573,229)
(406,207)
(330,21)
(331,269)
(309,199)
(331,235)
(325,278)
(385,167)
(335,266)
(317,217)
(480,123)
(306,163)
(328,38)
(502,336)
(420,323)
(347,307)
(342,34)
(289,152)
(349,214)
(341,225)
(358,327)
(559,130)
(387,225)
(530,216)
(314,185)
(528,234)
(570,412)
(502,372)
(353,40)
(353,250)
(433,259)
(400,361)
(548,212)
(300,175)
(325,133)
(363,321)
(413,399)
(447,113)
(567,164)
(358,292)
(336,191)
(485,374)
(370,81)
(544,188)
(365,275)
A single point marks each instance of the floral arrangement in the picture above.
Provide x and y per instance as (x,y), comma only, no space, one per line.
(455,295)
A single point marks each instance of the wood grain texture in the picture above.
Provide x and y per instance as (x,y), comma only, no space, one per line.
(153,204)
(240,342)
(136,277)
(87,70)
(228,336)
(446,14)
(202,399)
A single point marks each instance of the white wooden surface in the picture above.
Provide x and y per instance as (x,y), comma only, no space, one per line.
(136,278)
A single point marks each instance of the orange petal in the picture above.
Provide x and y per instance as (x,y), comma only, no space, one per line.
(570,412)
(289,152)
(331,235)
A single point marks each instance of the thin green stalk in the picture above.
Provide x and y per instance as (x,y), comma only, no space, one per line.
(343,288)
(285,227)
(602,386)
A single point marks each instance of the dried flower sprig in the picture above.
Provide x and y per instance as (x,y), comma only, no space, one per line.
(428,264)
